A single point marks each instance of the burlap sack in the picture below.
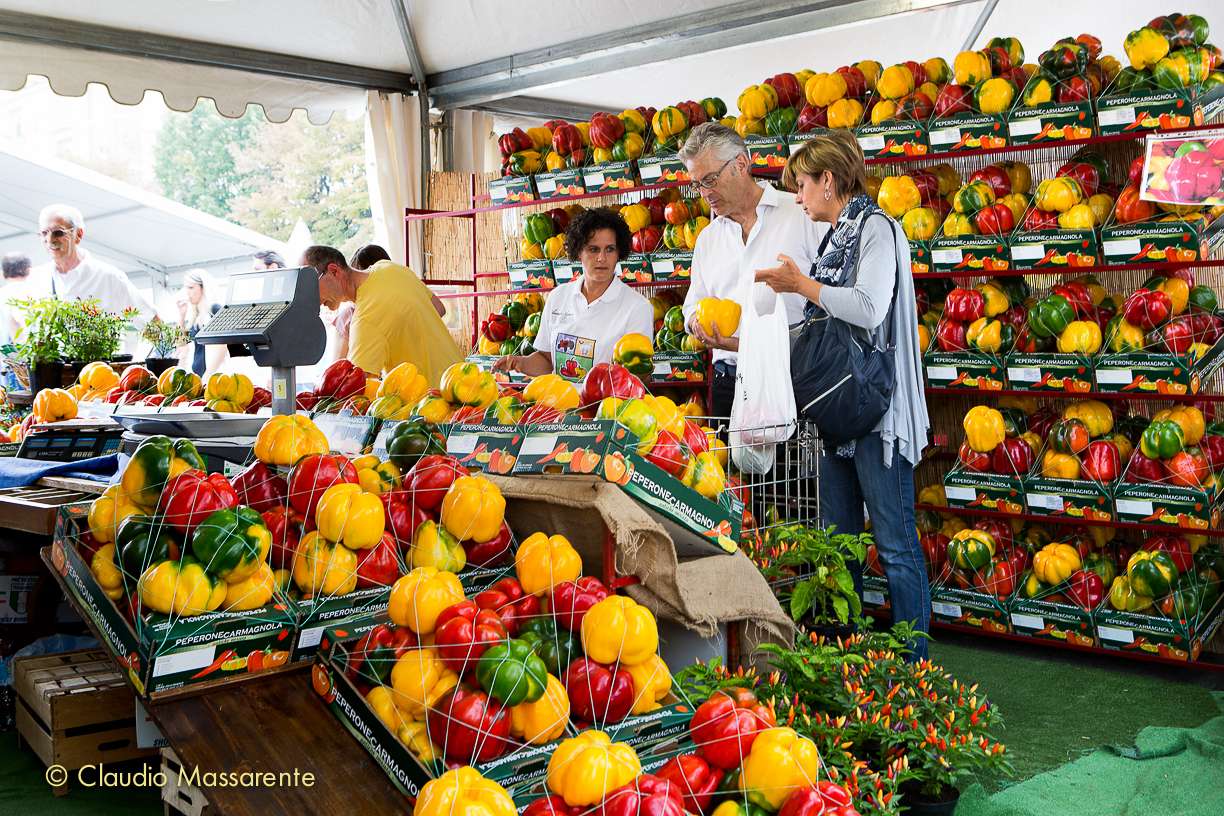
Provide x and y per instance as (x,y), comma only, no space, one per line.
(698,593)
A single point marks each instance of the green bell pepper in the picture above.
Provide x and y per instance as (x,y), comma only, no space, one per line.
(1203,298)
(1187,601)
(155,461)
(512,672)
(409,442)
(516,313)
(968,553)
(1151,572)
(1102,565)
(1015,421)
(781,121)
(232,543)
(142,541)
(538,228)
(557,647)
(1162,439)
(533,324)
(1050,316)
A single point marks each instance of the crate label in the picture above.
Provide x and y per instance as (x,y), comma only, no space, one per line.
(461,443)
(651,170)
(872,144)
(1024,374)
(1123,246)
(948,609)
(15,593)
(518,276)
(546,185)
(947,256)
(311,637)
(537,445)
(662,369)
(1028,252)
(1047,501)
(563,273)
(1116,376)
(1116,634)
(662,267)
(188,660)
(1132,507)
(1116,116)
(941,372)
(945,136)
(872,597)
(148,735)
(1027,621)
(1024,127)
(961,493)
(595,179)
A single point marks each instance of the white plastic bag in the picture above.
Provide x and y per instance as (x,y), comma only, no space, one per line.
(763,413)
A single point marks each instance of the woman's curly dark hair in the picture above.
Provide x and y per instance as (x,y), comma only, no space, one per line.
(590,222)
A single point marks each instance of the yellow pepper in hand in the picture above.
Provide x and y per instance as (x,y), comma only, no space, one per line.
(984,428)
(473,509)
(779,763)
(420,596)
(349,516)
(543,561)
(283,440)
(725,314)
(619,630)
(584,769)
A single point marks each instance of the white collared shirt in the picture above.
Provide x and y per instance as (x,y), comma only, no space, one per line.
(722,259)
(92,278)
(572,329)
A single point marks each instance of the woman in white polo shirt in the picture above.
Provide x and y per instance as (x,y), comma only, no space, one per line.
(584,318)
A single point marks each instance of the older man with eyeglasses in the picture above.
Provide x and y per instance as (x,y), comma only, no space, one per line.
(752,224)
(74,274)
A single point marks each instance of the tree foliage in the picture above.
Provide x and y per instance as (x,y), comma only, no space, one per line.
(194,159)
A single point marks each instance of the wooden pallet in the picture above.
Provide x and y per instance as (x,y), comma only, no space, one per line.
(75,709)
(180,800)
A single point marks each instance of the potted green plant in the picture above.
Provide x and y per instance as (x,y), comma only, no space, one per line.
(824,592)
(92,333)
(42,346)
(164,339)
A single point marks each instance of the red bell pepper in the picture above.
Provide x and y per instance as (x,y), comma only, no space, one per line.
(1101,461)
(286,527)
(403,516)
(191,497)
(507,598)
(1036,220)
(1131,208)
(998,578)
(994,176)
(953,99)
(1177,548)
(1147,309)
(378,566)
(964,305)
(490,553)
(824,798)
(974,460)
(496,327)
(1086,174)
(539,414)
(646,239)
(927,184)
(696,779)
(374,655)
(1077,295)
(259,487)
(724,727)
(1212,446)
(599,694)
(605,131)
(610,380)
(1178,334)
(668,453)
(260,398)
(431,477)
(340,381)
(856,82)
(1041,420)
(1134,174)
(1086,589)
(468,726)
(1000,531)
(952,335)
(571,600)
(306,401)
(550,806)
(464,633)
(648,795)
(935,548)
(997,219)
(790,95)
(656,207)
(311,477)
(514,141)
(1013,457)
(693,111)
(567,140)
(812,117)
(695,438)
(1143,469)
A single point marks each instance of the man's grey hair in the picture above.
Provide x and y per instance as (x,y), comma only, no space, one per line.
(724,142)
(65,212)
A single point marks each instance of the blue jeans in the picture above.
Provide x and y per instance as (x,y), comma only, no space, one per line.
(845,485)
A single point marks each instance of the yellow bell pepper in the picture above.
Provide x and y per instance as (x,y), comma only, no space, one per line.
(251,592)
(98,376)
(725,314)
(542,562)
(633,120)
(635,216)
(667,414)
(554,247)
(554,161)
(920,224)
(752,103)
(1080,337)
(779,763)
(420,596)
(652,681)
(229,392)
(530,250)
(434,408)
(996,300)
(473,509)
(747,126)
(541,137)
(970,67)
(1189,418)
(634,145)
(108,511)
(619,630)
(179,382)
(466,384)
(545,719)
(432,546)
(823,90)
(957,224)
(464,792)
(1079,217)
(415,736)
(54,405)
(1054,563)
(984,428)
(381,701)
(1058,194)
(692,231)
(1102,205)
(1145,47)
(933,494)
(404,381)
(418,679)
(183,589)
(1017,203)
(1126,337)
(553,391)
(895,82)
(949,179)
(283,440)
(106,571)
(322,568)
(986,335)
(348,515)
(391,407)
(704,473)
(898,195)
(845,113)
(871,71)
(1095,415)
(1059,466)
(995,96)
(1125,449)
(1178,291)
(377,477)
(584,769)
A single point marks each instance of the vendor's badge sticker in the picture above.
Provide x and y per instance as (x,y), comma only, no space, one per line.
(573,356)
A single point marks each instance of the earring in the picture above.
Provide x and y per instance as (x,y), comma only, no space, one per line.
(828,194)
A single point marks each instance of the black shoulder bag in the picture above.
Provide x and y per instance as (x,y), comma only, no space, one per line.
(843,376)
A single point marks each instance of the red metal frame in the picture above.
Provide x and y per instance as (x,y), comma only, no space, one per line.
(1100,395)
(1167,266)
(1120,525)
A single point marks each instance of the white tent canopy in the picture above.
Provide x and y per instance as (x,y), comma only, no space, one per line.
(150,237)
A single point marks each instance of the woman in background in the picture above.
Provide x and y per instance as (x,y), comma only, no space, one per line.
(196,308)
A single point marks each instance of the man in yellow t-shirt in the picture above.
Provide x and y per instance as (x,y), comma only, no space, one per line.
(394,319)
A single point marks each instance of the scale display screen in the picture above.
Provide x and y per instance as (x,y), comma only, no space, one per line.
(70,446)
(262,287)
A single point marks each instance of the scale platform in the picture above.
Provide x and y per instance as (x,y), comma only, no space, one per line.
(191,423)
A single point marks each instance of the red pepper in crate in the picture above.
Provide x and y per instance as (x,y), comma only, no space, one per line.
(724,727)
(311,477)
(995,177)
(496,327)
(550,806)
(1101,462)
(286,527)
(259,487)
(431,477)
(1212,445)
(507,598)
(1178,335)
(1000,531)
(404,516)
(1085,173)
(1077,295)
(1144,469)
(1042,420)
(952,335)
(1134,173)
(571,600)
(378,566)
(1036,220)
(600,695)
(514,141)
(997,219)
(823,798)
(974,460)
(1147,309)
(191,497)
(964,305)
(1012,457)
(375,653)
(1086,589)
(490,553)
(1177,548)
(927,184)
(464,633)
(935,548)
(610,380)
(648,795)
(468,726)
(696,779)
(340,381)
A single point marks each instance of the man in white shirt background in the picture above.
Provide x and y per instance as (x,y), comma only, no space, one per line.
(75,274)
(752,223)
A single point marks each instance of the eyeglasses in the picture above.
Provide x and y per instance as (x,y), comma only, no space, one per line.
(56,233)
(708,181)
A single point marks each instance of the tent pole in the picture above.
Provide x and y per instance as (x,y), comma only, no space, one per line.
(979,24)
